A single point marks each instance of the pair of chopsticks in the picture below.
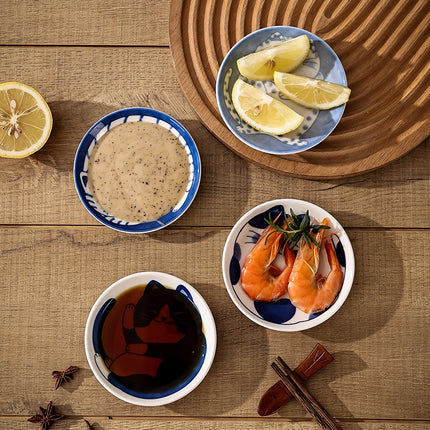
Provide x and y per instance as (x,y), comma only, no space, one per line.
(298,389)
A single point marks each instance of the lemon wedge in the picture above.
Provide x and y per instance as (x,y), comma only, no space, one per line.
(25,120)
(311,93)
(288,55)
(262,112)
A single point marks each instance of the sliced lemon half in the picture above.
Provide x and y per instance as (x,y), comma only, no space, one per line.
(287,56)
(262,112)
(25,120)
(311,93)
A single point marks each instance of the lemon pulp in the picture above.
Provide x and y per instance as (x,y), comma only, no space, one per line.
(25,120)
(263,112)
(311,93)
(287,56)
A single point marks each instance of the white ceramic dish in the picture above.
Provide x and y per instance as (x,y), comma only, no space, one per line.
(321,63)
(282,315)
(96,354)
(98,130)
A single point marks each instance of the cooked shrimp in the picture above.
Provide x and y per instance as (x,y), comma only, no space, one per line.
(309,291)
(260,279)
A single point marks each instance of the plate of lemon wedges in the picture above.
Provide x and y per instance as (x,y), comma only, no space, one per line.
(281,90)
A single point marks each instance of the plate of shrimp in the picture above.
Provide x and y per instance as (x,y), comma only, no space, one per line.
(285,278)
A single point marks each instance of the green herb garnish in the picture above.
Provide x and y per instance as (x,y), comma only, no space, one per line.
(296,229)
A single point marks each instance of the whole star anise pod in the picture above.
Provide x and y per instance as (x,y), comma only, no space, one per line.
(64,376)
(46,417)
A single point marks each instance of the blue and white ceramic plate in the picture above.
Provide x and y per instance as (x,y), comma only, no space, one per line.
(282,315)
(94,346)
(321,63)
(99,129)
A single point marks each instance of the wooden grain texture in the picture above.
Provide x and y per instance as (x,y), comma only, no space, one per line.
(90,58)
(51,278)
(199,424)
(383,47)
(230,185)
(98,22)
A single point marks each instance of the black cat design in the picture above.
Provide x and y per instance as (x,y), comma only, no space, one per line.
(163,337)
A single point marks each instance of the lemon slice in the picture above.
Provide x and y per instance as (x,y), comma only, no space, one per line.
(284,57)
(311,93)
(25,120)
(263,112)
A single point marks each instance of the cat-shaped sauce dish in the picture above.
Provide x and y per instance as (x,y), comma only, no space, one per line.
(150,339)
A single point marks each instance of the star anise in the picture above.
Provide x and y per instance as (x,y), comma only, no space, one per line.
(64,376)
(46,417)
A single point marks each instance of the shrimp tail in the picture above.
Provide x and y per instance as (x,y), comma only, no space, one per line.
(331,256)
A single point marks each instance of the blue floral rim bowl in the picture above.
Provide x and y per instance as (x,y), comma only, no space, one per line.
(167,348)
(321,63)
(98,130)
(282,315)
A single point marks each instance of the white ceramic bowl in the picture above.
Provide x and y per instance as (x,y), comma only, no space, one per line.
(321,63)
(98,130)
(282,315)
(96,353)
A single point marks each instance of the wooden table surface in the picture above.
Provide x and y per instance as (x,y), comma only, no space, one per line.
(90,58)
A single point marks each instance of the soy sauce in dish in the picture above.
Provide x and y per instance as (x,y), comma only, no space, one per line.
(152,340)
(138,171)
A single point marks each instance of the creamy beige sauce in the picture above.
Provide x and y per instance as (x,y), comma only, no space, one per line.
(138,171)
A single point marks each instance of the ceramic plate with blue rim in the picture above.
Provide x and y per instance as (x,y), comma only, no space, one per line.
(281,315)
(147,390)
(321,63)
(98,130)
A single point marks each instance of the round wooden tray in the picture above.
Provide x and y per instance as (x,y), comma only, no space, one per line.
(383,46)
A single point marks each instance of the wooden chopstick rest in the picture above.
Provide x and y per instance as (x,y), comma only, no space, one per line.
(278,395)
(301,393)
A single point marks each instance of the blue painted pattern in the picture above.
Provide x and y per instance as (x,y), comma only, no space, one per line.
(281,311)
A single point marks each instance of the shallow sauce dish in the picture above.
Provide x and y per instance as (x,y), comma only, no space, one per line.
(282,315)
(91,139)
(321,63)
(99,328)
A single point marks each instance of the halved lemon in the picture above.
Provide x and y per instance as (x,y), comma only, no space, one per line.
(25,120)
(287,56)
(311,93)
(262,111)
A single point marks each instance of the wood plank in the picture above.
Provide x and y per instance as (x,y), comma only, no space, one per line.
(180,424)
(51,278)
(110,22)
(55,259)
(42,186)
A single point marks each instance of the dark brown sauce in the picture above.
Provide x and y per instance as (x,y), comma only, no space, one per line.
(152,340)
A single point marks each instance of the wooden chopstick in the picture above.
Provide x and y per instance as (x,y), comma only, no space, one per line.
(302,394)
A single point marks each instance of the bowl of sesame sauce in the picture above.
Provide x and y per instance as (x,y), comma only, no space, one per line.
(137,170)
